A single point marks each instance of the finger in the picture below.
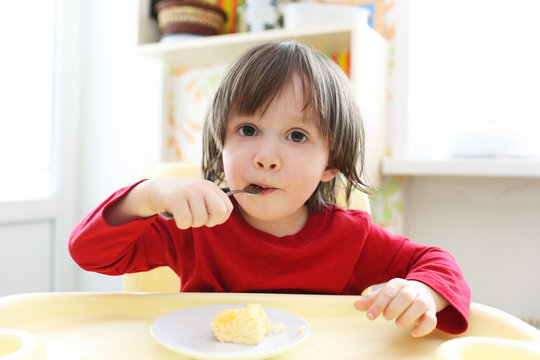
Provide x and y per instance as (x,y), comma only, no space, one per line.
(182,215)
(426,325)
(198,210)
(413,313)
(363,302)
(400,303)
(384,297)
(229,207)
(217,208)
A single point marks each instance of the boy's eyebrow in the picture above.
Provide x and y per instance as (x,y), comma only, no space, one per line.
(309,116)
(236,118)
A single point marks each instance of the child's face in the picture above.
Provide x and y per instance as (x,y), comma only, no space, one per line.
(281,150)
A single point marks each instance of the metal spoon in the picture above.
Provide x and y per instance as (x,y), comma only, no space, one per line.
(250,189)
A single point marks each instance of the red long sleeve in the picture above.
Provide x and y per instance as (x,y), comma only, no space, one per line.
(337,252)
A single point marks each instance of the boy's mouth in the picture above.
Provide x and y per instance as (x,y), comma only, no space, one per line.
(262,188)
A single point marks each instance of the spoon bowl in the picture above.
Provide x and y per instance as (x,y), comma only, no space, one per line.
(250,189)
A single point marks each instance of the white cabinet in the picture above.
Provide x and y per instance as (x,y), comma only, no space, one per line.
(368,64)
(25,250)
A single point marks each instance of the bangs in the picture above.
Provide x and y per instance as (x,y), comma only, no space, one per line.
(256,83)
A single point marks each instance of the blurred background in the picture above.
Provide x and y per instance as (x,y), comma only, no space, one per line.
(92,93)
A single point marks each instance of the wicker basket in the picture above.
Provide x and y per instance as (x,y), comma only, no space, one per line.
(181,16)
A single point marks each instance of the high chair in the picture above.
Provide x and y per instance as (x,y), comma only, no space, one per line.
(163,279)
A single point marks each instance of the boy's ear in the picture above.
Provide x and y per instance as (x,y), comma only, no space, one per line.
(329,173)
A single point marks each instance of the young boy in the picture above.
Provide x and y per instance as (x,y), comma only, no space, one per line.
(283,118)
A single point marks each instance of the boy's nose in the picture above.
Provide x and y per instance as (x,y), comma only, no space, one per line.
(267,158)
(269,165)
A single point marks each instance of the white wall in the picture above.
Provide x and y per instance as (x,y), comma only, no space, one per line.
(120,109)
(491,226)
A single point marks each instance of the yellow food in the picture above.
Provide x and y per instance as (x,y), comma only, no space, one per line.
(278,328)
(241,326)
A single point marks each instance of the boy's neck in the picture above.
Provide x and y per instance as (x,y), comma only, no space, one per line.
(281,227)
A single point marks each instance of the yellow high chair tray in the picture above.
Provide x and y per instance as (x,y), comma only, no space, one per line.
(117,326)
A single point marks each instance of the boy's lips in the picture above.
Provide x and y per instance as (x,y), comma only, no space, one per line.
(267,188)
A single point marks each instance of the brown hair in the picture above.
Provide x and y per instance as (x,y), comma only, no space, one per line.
(252,82)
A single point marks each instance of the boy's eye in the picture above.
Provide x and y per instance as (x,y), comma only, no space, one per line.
(297,136)
(247,130)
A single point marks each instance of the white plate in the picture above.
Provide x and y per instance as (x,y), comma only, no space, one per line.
(187,331)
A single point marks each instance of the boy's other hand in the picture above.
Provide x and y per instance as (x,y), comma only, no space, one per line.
(406,301)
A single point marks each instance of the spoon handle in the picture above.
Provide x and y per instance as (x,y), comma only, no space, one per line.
(166,215)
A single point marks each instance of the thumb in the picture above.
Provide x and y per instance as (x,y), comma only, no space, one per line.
(363,302)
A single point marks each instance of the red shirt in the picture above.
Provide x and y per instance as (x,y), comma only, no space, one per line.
(337,252)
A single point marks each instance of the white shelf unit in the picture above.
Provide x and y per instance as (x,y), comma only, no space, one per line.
(368,64)
(473,167)
(223,48)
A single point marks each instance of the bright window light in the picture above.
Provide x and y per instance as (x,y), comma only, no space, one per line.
(26,93)
(474,78)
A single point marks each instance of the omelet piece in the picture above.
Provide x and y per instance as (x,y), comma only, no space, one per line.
(246,326)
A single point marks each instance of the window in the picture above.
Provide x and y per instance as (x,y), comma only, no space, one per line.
(474,78)
(39,116)
(26,90)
